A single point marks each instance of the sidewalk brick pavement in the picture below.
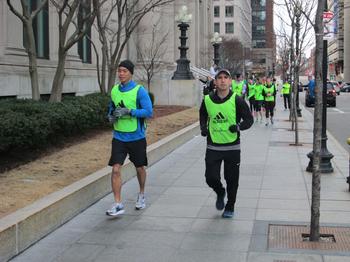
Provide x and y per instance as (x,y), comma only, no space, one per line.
(181,222)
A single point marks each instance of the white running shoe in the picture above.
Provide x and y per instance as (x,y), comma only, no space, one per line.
(140,202)
(115,210)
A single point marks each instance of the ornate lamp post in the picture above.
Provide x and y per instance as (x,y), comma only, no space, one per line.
(326,156)
(216,42)
(183,71)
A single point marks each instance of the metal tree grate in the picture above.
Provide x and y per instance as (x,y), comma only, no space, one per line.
(293,237)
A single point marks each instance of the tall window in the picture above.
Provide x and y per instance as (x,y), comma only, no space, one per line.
(229,11)
(40,28)
(229,28)
(217,27)
(84,44)
(216,11)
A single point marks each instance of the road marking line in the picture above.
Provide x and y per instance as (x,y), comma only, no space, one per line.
(338,110)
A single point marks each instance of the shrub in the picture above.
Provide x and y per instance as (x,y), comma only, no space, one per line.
(28,124)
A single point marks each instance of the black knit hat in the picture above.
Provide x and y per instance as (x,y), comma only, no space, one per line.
(128,65)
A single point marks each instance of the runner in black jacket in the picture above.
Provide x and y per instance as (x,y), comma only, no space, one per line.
(225,125)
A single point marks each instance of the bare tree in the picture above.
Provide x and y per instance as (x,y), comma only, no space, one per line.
(317,25)
(300,28)
(233,60)
(116,22)
(27,16)
(316,175)
(69,34)
(150,54)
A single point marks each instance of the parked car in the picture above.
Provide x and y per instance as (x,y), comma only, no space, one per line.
(336,86)
(345,88)
(331,96)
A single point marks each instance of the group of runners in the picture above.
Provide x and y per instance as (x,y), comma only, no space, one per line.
(261,94)
(223,114)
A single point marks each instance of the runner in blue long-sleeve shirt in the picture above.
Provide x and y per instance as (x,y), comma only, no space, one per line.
(129,107)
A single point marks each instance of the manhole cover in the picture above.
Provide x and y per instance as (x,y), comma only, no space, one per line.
(293,237)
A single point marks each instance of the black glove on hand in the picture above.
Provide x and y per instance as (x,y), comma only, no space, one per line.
(234,128)
(204,132)
(121,111)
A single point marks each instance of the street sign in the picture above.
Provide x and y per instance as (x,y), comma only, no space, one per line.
(329,25)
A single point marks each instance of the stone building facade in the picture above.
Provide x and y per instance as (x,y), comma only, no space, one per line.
(263,37)
(80,70)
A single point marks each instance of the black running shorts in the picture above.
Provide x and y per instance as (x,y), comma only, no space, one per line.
(135,149)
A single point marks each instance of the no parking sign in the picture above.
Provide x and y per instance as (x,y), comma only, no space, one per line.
(329,25)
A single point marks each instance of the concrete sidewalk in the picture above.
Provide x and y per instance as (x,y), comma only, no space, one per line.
(181,222)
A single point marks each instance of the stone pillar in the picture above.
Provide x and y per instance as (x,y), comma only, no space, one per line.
(347,41)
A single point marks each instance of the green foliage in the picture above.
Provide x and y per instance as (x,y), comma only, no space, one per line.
(28,124)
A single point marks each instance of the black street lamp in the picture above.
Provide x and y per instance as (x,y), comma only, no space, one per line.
(183,71)
(216,42)
(325,155)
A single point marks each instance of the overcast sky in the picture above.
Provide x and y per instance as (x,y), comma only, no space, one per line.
(281,10)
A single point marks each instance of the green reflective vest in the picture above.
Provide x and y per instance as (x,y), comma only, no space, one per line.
(125,99)
(251,90)
(259,92)
(269,90)
(221,117)
(286,89)
(237,87)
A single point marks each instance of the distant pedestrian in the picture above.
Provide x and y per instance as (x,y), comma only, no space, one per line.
(129,107)
(213,70)
(223,114)
(269,93)
(259,99)
(286,94)
(251,95)
(239,86)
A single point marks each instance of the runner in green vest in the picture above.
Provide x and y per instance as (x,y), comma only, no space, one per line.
(286,94)
(222,115)
(259,99)
(269,93)
(130,105)
(251,95)
(238,86)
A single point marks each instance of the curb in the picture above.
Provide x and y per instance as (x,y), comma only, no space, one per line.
(26,226)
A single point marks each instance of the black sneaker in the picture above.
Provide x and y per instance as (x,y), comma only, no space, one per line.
(227,214)
(220,201)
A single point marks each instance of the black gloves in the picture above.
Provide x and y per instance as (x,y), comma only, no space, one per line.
(204,132)
(234,128)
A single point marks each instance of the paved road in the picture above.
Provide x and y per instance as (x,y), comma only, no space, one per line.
(338,118)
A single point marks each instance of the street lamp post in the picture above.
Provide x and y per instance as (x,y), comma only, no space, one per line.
(183,71)
(325,155)
(216,42)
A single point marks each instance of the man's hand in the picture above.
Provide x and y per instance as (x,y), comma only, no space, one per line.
(111,119)
(204,132)
(121,111)
(234,128)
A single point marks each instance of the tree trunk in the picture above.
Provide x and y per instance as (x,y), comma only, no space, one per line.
(57,85)
(33,69)
(112,70)
(104,69)
(149,77)
(316,179)
(296,74)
